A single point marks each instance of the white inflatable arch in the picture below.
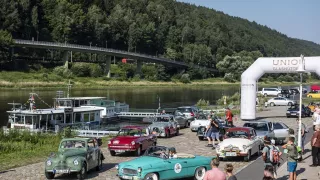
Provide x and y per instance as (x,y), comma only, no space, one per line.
(270,65)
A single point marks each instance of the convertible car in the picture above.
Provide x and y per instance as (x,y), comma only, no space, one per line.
(155,164)
(164,127)
(239,141)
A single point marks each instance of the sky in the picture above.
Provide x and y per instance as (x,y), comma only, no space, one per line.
(295,18)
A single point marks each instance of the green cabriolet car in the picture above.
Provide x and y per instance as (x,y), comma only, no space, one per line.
(156,164)
(75,155)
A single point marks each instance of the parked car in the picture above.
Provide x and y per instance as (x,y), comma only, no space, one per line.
(195,124)
(281,132)
(202,130)
(75,155)
(280,101)
(181,119)
(178,117)
(131,139)
(284,93)
(294,111)
(315,95)
(270,91)
(164,127)
(294,91)
(155,164)
(262,128)
(190,112)
(239,141)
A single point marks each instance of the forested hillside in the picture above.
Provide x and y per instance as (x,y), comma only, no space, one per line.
(178,31)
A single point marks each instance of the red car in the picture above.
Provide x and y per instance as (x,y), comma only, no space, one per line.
(133,139)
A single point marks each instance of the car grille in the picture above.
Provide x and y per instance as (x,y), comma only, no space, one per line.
(231,149)
(129,171)
(61,167)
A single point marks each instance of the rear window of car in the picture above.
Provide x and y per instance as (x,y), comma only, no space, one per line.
(185,110)
(257,126)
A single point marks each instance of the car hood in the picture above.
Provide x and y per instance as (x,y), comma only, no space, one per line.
(67,153)
(262,133)
(159,124)
(201,122)
(145,162)
(123,139)
(235,142)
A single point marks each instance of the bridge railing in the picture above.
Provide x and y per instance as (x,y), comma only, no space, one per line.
(94,48)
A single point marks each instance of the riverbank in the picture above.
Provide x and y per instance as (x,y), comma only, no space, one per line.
(19,80)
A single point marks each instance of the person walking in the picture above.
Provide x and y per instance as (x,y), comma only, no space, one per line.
(215,173)
(292,152)
(208,132)
(229,116)
(271,155)
(315,143)
(229,169)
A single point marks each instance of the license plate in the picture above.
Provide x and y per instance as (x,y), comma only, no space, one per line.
(293,114)
(126,177)
(61,171)
(119,151)
(231,154)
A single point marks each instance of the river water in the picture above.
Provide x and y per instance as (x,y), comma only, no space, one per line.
(136,97)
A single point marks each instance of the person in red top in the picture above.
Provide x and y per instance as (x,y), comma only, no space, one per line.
(229,117)
(215,173)
(315,143)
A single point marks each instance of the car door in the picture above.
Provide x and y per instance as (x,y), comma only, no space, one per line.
(254,141)
(281,131)
(92,154)
(176,168)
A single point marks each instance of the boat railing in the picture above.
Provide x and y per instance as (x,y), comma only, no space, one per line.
(95,133)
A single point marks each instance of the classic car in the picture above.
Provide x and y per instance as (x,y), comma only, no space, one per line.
(195,124)
(75,155)
(281,132)
(239,141)
(178,117)
(155,164)
(131,139)
(164,127)
(202,130)
(293,111)
(262,129)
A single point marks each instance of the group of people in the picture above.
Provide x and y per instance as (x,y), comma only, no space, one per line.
(216,174)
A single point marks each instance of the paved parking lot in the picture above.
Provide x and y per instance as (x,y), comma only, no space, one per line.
(186,142)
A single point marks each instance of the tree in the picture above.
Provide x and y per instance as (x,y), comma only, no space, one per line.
(5,43)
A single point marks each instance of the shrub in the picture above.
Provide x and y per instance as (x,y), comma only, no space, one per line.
(229,77)
(202,103)
(95,70)
(234,99)
(81,69)
(185,78)
(106,78)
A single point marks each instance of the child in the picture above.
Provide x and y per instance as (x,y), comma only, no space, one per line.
(292,153)
(269,172)
(229,169)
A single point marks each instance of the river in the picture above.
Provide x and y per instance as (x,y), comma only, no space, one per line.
(136,97)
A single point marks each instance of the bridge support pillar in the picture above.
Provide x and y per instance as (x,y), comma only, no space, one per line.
(139,68)
(108,66)
(65,55)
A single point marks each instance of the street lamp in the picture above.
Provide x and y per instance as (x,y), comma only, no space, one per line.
(301,69)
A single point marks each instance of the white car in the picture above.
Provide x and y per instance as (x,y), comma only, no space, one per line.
(280,101)
(270,91)
(239,141)
(195,124)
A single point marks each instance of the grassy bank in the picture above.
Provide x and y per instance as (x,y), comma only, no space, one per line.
(51,80)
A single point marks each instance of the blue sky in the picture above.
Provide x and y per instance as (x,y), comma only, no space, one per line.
(295,18)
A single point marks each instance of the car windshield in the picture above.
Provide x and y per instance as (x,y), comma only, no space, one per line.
(185,110)
(237,134)
(69,144)
(157,151)
(257,126)
(130,132)
(163,119)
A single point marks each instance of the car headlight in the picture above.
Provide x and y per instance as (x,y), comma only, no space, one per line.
(288,111)
(244,147)
(76,162)
(116,166)
(133,143)
(49,163)
(139,169)
(162,128)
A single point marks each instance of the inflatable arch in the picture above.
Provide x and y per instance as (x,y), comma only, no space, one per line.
(270,65)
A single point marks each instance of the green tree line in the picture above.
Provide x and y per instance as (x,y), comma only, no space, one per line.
(175,30)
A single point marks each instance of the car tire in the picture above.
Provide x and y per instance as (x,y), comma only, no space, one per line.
(49,175)
(177,132)
(138,151)
(259,151)
(310,96)
(272,104)
(199,173)
(201,138)
(152,176)
(167,134)
(220,158)
(265,95)
(112,153)
(82,174)
(289,103)
(248,157)
(99,166)
(288,116)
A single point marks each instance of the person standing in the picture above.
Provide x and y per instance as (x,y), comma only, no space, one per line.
(229,116)
(271,155)
(208,132)
(315,143)
(303,134)
(292,153)
(229,169)
(215,173)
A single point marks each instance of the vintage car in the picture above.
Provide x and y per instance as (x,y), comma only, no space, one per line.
(202,130)
(195,124)
(262,129)
(178,117)
(75,155)
(164,127)
(131,139)
(155,164)
(239,141)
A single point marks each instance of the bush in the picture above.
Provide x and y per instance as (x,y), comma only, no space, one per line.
(81,69)
(185,78)
(202,103)
(229,77)
(106,78)
(95,70)
(234,99)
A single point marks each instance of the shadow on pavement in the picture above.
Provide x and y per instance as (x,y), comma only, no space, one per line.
(2,172)
(300,171)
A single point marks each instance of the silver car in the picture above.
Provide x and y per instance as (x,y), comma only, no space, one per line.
(263,128)
(280,101)
(190,112)
(281,132)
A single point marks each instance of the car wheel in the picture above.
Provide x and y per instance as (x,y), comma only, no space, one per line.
(177,132)
(200,138)
(199,173)
(112,153)
(49,175)
(82,174)
(151,176)
(289,103)
(138,151)
(288,116)
(310,96)
(272,104)
(167,134)
(248,157)
(265,94)
(99,166)
(220,158)
(259,151)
